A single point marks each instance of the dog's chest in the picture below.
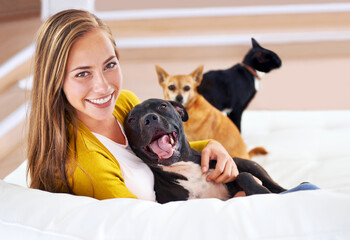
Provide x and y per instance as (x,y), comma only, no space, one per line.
(196,183)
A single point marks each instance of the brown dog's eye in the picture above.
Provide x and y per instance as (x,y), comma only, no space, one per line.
(187,88)
(131,120)
(162,107)
(171,87)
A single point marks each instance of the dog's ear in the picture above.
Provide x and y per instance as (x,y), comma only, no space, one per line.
(255,44)
(198,74)
(162,74)
(180,109)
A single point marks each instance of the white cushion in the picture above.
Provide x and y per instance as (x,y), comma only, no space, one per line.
(303,146)
(33,214)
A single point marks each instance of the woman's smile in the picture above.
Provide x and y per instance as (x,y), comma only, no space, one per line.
(103,101)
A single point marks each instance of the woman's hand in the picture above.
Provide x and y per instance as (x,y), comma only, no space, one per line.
(225,170)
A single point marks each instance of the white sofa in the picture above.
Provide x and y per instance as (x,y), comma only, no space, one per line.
(303,146)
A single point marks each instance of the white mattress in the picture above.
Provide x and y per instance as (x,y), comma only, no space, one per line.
(303,146)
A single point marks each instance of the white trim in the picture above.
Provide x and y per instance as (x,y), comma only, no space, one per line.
(50,7)
(223,11)
(16,60)
(26,83)
(233,39)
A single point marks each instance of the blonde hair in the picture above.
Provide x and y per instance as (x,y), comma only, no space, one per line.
(51,113)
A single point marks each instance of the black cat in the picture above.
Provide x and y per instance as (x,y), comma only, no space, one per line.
(232,89)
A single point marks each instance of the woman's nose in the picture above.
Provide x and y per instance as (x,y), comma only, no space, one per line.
(100,83)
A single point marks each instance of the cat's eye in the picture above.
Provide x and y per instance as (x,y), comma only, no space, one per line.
(260,54)
(187,88)
(171,87)
(262,57)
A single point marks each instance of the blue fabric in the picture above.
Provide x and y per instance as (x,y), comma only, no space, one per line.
(302,187)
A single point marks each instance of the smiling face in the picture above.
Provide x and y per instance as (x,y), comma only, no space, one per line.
(93,77)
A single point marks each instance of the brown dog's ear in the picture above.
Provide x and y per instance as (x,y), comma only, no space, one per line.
(180,109)
(162,74)
(198,74)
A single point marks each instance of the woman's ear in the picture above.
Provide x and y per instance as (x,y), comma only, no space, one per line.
(180,109)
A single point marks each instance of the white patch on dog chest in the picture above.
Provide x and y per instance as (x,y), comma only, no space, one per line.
(197,185)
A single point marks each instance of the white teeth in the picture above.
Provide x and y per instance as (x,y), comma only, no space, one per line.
(171,140)
(101,100)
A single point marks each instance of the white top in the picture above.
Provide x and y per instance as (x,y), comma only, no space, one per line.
(138,176)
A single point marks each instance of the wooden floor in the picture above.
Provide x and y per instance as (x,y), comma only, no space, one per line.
(314,75)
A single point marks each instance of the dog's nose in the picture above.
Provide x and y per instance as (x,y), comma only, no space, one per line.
(150,118)
(179,98)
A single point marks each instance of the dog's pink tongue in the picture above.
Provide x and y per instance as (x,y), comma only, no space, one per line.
(162,147)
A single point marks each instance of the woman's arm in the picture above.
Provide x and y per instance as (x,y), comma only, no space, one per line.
(225,170)
(199,145)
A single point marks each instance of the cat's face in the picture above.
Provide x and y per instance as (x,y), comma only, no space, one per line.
(262,59)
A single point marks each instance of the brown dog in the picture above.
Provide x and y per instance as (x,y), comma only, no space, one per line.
(205,121)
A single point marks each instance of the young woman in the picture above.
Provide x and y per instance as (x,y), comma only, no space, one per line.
(76,142)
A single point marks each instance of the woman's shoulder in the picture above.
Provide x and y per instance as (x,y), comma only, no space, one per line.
(127,97)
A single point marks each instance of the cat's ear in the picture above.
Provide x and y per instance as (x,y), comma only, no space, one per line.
(255,44)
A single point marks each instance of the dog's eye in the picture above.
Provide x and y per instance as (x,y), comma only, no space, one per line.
(162,107)
(187,88)
(131,120)
(171,87)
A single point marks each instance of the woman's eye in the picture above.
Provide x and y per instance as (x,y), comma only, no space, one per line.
(110,65)
(82,74)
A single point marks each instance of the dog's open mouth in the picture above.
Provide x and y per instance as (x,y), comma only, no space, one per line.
(162,144)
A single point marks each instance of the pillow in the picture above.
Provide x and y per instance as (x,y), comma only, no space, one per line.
(34,214)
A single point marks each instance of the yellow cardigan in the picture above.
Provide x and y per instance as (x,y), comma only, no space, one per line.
(96,172)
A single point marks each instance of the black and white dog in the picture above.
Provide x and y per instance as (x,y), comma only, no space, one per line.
(231,90)
(155,133)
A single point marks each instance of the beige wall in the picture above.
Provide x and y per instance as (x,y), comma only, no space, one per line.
(300,84)
(314,75)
